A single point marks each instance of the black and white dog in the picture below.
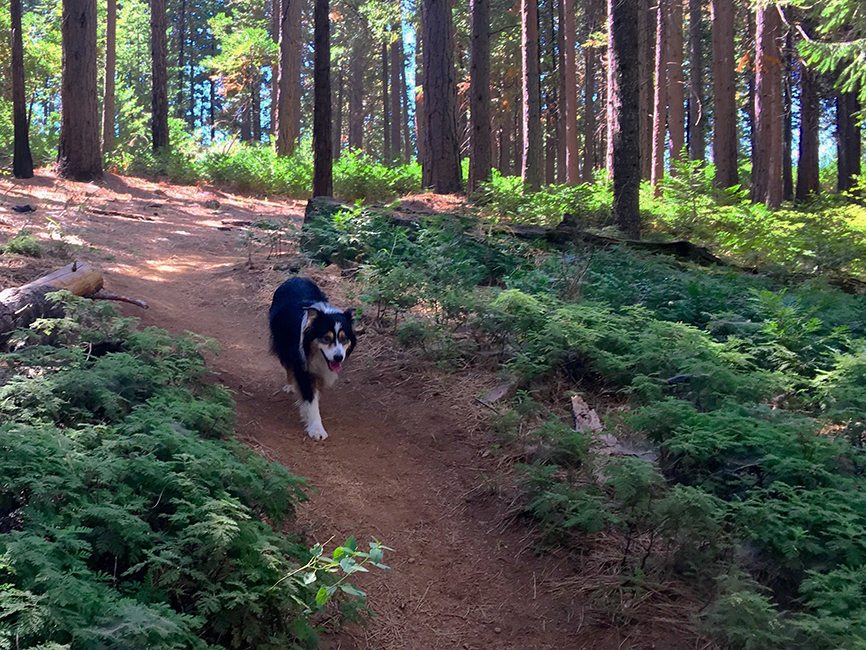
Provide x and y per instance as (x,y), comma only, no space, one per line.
(312,340)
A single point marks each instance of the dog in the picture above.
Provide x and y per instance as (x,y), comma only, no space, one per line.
(312,339)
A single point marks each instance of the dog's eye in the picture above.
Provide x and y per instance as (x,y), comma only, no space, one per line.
(342,337)
(328,338)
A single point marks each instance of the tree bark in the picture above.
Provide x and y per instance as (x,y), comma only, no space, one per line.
(404,106)
(767,162)
(275,36)
(181,60)
(22,159)
(551,98)
(386,108)
(724,94)
(623,98)
(569,108)
(256,108)
(109,107)
(288,80)
(810,112)
(589,123)
(441,171)
(480,156)
(847,140)
(159,76)
(337,134)
(660,99)
(532,138)
(395,65)
(676,88)
(646,58)
(697,149)
(787,116)
(79,156)
(323,172)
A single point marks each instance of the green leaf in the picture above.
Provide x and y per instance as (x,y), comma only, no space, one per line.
(309,577)
(322,596)
(352,591)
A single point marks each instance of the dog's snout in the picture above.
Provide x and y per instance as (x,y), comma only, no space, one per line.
(338,356)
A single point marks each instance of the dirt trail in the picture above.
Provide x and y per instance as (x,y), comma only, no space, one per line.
(402,464)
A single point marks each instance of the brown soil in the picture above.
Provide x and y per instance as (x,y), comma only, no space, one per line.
(406,461)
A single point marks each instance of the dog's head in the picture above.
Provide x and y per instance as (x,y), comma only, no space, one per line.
(328,332)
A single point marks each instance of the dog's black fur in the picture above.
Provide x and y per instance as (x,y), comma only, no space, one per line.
(312,339)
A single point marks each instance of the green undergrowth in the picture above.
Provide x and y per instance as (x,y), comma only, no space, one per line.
(258,169)
(749,388)
(130,517)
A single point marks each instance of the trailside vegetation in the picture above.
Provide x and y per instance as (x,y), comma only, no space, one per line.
(747,391)
(129,517)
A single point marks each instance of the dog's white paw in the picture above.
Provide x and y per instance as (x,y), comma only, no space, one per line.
(317,432)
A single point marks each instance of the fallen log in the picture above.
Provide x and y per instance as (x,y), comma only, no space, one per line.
(20,306)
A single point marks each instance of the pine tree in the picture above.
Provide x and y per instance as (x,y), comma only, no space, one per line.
(22,160)
(480,156)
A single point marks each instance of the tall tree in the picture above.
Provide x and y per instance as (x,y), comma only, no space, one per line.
(807,161)
(181,60)
(696,81)
(159,76)
(848,152)
(623,97)
(404,104)
(569,104)
(356,91)
(676,87)
(108,98)
(788,118)
(275,36)
(767,161)
(288,85)
(22,160)
(396,64)
(441,156)
(724,94)
(646,57)
(480,156)
(337,127)
(79,156)
(323,168)
(386,108)
(660,98)
(532,138)
(589,66)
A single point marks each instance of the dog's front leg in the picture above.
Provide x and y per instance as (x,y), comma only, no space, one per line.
(311,417)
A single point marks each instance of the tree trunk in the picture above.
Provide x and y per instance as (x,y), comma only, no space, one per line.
(847,140)
(386,108)
(159,76)
(551,100)
(275,36)
(357,68)
(724,94)
(256,108)
(337,135)
(750,46)
(676,88)
(22,160)
(623,98)
(79,157)
(646,58)
(767,162)
(696,82)
(288,81)
(589,58)
(810,112)
(441,170)
(323,172)
(181,60)
(787,116)
(660,99)
(480,156)
(109,107)
(569,108)
(404,106)
(395,65)
(532,138)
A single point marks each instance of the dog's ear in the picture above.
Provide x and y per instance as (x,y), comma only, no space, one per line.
(310,315)
(350,313)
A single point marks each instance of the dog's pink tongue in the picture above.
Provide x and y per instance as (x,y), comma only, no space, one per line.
(335,366)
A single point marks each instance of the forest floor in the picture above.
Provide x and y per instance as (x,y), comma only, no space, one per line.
(407,461)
